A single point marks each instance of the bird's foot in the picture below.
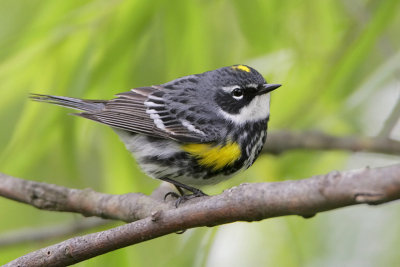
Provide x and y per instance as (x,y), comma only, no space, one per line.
(183,198)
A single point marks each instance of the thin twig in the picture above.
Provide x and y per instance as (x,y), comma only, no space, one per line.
(247,202)
(49,232)
(391,121)
(282,141)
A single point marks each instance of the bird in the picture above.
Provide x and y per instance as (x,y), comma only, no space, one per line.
(196,130)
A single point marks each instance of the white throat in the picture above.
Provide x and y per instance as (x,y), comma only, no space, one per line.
(256,110)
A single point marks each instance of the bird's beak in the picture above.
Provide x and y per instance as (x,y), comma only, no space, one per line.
(266,88)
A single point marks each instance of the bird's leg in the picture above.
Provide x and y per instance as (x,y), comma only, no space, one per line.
(182,197)
(180,190)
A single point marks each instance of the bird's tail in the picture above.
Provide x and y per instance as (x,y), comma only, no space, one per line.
(70,102)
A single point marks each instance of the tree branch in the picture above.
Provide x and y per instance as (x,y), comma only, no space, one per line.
(247,202)
(127,207)
(282,141)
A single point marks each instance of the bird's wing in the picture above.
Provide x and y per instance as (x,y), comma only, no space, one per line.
(144,110)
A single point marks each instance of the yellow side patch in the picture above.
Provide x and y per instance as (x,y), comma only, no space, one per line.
(241,67)
(213,156)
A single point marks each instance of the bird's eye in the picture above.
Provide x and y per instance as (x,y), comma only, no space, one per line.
(237,93)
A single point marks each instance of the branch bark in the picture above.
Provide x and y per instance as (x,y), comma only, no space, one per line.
(128,207)
(247,202)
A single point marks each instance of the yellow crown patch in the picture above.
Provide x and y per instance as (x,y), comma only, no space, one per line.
(216,157)
(241,67)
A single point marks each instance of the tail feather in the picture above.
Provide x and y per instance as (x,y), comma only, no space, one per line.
(70,102)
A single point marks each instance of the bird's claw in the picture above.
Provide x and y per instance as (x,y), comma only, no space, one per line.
(184,198)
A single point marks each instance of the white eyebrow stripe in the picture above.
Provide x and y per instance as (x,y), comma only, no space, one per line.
(229,89)
(252,85)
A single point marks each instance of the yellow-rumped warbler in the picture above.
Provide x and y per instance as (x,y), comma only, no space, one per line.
(195,130)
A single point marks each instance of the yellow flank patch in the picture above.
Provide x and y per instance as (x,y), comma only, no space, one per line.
(241,67)
(213,156)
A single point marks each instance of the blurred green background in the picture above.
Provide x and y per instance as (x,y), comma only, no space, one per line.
(338,61)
